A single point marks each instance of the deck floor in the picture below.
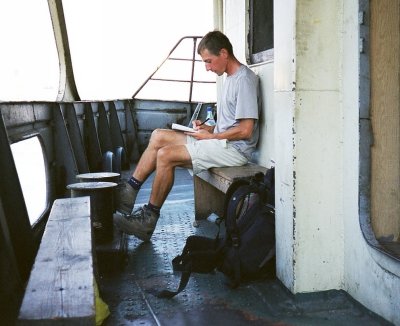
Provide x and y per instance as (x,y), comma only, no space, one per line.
(207,300)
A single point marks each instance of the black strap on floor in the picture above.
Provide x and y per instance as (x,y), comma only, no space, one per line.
(182,285)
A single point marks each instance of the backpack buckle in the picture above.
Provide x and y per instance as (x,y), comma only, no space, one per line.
(235,241)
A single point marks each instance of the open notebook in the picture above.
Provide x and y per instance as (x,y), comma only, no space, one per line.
(177,126)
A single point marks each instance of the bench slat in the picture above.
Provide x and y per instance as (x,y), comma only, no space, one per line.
(237,172)
(61,284)
(222,178)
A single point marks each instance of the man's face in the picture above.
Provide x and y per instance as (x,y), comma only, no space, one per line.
(215,63)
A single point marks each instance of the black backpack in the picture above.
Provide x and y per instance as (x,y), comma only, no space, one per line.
(247,251)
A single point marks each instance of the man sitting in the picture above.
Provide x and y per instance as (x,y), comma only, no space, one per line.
(230,142)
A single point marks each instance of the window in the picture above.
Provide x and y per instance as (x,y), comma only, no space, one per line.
(29,61)
(30,165)
(119,46)
(261,31)
(380,126)
(385,121)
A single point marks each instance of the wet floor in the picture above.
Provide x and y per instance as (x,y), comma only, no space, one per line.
(207,300)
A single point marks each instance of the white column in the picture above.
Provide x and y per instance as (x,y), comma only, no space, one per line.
(308,132)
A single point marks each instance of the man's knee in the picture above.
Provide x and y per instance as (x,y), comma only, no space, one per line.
(157,139)
(164,155)
(156,134)
(166,137)
(176,155)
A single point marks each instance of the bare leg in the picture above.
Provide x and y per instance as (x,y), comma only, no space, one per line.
(159,139)
(142,222)
(168,158)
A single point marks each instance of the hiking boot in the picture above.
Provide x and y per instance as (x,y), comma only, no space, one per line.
(141,223)
(125,199)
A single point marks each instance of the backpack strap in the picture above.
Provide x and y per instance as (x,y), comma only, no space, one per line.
(235,205)
(166,294)
(232,233)
(179,263)
(200,255)
(236,268)
(232,188)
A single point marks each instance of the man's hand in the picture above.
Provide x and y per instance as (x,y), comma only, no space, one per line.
(198,125)
(203,131)
(241,131)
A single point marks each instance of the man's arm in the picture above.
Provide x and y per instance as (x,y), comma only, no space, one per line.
(242,131)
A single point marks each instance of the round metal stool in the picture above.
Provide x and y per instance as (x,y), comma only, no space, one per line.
(99,177)
(102,177)
(101,205)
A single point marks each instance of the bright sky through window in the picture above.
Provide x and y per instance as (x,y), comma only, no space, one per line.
(115,44)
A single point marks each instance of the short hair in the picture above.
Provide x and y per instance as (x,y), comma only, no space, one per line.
(215,41)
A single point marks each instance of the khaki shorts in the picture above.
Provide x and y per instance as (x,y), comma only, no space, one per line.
(211,153)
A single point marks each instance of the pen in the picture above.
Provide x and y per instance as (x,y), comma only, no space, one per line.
(204,122)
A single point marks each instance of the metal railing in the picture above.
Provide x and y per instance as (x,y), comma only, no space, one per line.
(193,60)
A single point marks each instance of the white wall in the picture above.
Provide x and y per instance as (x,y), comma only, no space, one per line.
(312,133)
(318,141)
(266,145)
(308,128)
(235,26)
(320,243)
(284,99)
(370,277)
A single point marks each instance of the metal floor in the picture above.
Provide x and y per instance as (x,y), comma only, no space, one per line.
(207,300)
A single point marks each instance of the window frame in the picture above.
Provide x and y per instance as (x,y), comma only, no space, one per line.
(366,141)
(46,206)
(264,55)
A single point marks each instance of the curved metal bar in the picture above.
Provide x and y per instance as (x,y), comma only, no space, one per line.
(169,58)
(67,90)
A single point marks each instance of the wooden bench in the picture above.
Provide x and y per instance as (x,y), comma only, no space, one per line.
(60,289)
(211,186)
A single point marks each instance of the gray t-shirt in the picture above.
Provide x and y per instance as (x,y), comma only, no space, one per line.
(239,100)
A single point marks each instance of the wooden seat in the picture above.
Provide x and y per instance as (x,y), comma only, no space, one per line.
(60,289)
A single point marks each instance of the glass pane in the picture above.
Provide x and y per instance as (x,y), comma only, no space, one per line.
(263,27)
(163,90)
(261,34)
(204,93)
(30,164)
(122,42)
(201,74)
(175,70)
(184,50)
(28,59)
(181,71)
